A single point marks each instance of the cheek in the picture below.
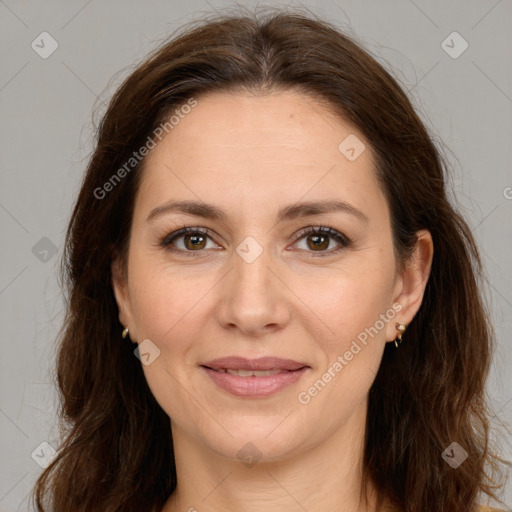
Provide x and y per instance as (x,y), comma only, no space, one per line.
(352,350)
(163,301)
(349,302)
(354,309)
(168,310)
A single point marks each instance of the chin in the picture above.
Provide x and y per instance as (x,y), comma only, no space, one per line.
(264,438)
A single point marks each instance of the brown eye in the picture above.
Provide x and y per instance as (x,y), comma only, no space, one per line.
(322,240)
(188,240)
(194,241)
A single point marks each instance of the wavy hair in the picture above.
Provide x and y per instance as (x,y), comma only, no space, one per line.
(116,451)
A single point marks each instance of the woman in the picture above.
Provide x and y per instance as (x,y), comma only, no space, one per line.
(265,218)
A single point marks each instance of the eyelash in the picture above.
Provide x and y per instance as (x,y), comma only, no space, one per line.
(310,230)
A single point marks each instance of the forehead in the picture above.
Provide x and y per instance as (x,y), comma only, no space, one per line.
(260,148)
(288,120)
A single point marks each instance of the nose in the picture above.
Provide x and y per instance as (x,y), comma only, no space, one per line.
(253,299)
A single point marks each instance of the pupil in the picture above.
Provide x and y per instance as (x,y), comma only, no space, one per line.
(319,241)
(195,240)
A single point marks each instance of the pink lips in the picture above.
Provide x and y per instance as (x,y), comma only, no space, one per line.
(271,374)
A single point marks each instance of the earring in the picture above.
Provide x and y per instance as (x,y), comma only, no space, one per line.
(125,333)
(401,329)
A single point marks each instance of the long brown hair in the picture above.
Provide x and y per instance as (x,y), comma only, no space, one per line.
(117,452)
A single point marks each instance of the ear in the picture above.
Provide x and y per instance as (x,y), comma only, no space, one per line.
(412,281)
(121,293)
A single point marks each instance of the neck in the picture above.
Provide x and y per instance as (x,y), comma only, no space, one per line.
(326,477)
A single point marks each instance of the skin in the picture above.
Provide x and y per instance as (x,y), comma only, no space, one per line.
(250,155)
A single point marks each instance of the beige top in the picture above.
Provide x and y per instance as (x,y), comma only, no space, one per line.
(482,508)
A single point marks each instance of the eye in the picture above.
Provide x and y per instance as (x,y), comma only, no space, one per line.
(318,240)
(187,239)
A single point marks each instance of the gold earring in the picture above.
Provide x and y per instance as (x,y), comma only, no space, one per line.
(401,329)
(125,333)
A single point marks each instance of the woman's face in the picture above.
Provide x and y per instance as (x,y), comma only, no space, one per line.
(311,312)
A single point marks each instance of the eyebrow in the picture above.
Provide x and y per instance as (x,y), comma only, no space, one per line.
(290,212)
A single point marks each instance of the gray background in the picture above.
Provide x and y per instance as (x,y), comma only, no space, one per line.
(47,132)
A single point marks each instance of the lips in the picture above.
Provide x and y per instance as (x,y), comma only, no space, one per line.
(251,373)
(254,378)
(261,364)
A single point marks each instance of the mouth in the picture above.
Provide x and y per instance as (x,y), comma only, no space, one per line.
(254,378)
(249,373)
